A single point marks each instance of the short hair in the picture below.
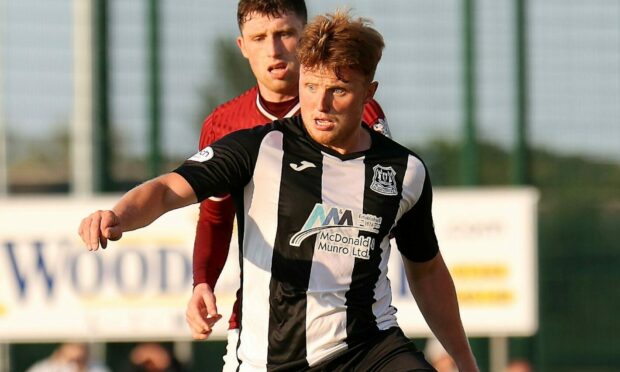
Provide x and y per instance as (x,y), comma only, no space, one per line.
(337,41)
(271,8)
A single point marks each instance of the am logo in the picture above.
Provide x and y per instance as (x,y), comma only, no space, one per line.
(325,217)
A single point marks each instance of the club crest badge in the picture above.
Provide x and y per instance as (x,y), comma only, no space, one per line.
(384,180)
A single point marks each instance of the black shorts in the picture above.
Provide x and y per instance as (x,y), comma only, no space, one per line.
(390,351)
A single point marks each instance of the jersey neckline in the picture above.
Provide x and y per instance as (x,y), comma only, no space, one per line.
(269,115)
(328,151)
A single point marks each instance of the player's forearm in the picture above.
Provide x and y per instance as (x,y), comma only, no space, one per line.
(145,203)
(213,235)
(435,295)
(441,312)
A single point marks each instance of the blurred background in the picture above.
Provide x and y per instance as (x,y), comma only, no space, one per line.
(98,96)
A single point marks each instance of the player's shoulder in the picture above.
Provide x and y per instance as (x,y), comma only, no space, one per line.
(374,108)
(237,113)
(250,140)
(239,105)
(374,118)
(260,130)
(387,146)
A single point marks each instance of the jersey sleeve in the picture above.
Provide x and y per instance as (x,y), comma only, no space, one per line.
(374,117)
(212,241)
(222,167)
(415,232)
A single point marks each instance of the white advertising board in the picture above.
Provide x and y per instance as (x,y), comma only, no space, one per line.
(52,288)
(488,238)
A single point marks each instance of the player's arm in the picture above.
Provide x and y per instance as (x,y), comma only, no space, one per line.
(212,241)
(211,245)
(137,208)
(433,289)
(428,277)
(214,226)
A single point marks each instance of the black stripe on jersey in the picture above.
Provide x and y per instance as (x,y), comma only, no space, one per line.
(361,322)
(240,208)
(415,232)
(300,190)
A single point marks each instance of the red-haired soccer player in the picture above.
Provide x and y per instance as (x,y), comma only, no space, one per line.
(269,31)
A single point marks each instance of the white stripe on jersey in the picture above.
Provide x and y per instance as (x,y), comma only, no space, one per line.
(382,308)
(260,196)
(330,276)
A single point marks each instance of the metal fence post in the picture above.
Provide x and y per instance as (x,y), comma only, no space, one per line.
(82,164)
(101,109)
(520,169)
(469,165)
(154,88)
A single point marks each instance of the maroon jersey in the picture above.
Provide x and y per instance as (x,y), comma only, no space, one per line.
(215,223)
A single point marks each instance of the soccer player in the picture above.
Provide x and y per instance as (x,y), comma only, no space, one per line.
(269,31)
(317,198)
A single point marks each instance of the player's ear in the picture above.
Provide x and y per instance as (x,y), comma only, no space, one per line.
(371,90)
(241,45)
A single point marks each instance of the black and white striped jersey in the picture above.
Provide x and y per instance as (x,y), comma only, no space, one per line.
(314,235)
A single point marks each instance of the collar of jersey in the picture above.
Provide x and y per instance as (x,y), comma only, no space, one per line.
(334,153)
(269,115)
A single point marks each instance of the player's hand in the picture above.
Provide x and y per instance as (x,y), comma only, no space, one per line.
(98,228)
(201,314)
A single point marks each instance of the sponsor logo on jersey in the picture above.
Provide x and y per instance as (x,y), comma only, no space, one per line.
(342,242)
(384,180)
(303,165)
(203,155)
(338,230)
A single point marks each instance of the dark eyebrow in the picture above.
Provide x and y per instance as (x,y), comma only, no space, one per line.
(256,34)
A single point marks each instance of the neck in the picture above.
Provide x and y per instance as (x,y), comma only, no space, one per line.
(278,110)
(358,141)
(272,96)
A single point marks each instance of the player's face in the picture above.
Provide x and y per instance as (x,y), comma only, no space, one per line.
(269,45)
(332,108)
